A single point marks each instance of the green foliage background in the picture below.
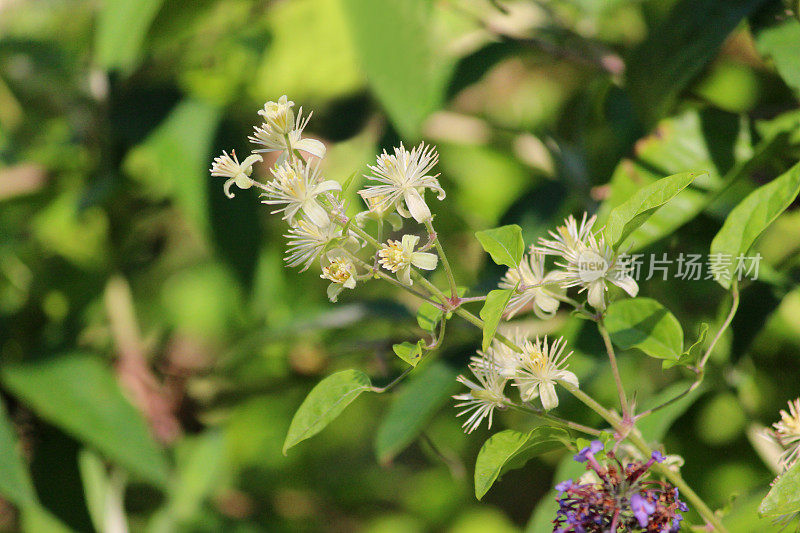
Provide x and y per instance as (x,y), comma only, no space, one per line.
(153,348)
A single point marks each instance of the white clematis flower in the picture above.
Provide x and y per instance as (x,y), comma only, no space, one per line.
(341,271)
(534,287)
(590,263)
(399,257)
(503,358)
(483,397)
(298,186)
(787,434)
(307,241)
(402,179)
(280,134)
(228,166)
(541,365)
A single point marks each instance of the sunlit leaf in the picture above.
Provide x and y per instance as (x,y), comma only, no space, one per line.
(777,38)
(693,354)
(325,402)
(121,29)
(492,313)
(80,395)
(635,211)
(511,449)
(784,496)
(752,216)
(645,324)
(504,244)
(410,353)
(412,409)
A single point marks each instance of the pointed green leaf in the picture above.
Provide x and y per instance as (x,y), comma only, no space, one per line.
(692,355)
(504,244)
(626,218)
(752,216)
(410,353)
(122,26)
(492,312)
(412,408)
(645,324)
(511,449)
(784,496)
(325,402)
(79,394)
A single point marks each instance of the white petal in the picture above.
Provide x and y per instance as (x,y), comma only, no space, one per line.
(404,275)
(409,242)
(424,260)
(417,206)
(333,291)
(566,375)
(312,146)
(328,185)
(597,295)
(626,283)
(546,303)
(316,213)
(549,396)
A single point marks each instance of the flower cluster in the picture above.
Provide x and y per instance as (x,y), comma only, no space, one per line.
(535,371)
(585,260)
(312,206)
(616,497)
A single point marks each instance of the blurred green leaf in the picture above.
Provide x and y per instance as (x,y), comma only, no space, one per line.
(173,161)
(778,40)
(410,353)
(655,426)
(645,324)
(784,496)
(412,409)
(504,244)
(15,481)
(511,449)
(743,517)
(752,216)
(79,394)
(428,316)
(321,65)
(629,216)
(325,402)
(121,30)
(200,462)
(675,51)
(104,492)
(492,313)
(405,62)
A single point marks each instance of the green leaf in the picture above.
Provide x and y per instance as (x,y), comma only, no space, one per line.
(492,312)
(121,29)
(428,316)
(103,490)
(410,353)
(692,355)
(784,496)
(173,161)
(412,408)
(752,216)
(402,53)
(675,51)
(645,324)
(15,481)
(80,395)
(325,402)
(778,40)
(629,216)
(504,244)
(200,464)
(511,449)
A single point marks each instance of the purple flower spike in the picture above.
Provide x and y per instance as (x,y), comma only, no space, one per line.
(564,486)
(642,509)
(594,447)
(657,457)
